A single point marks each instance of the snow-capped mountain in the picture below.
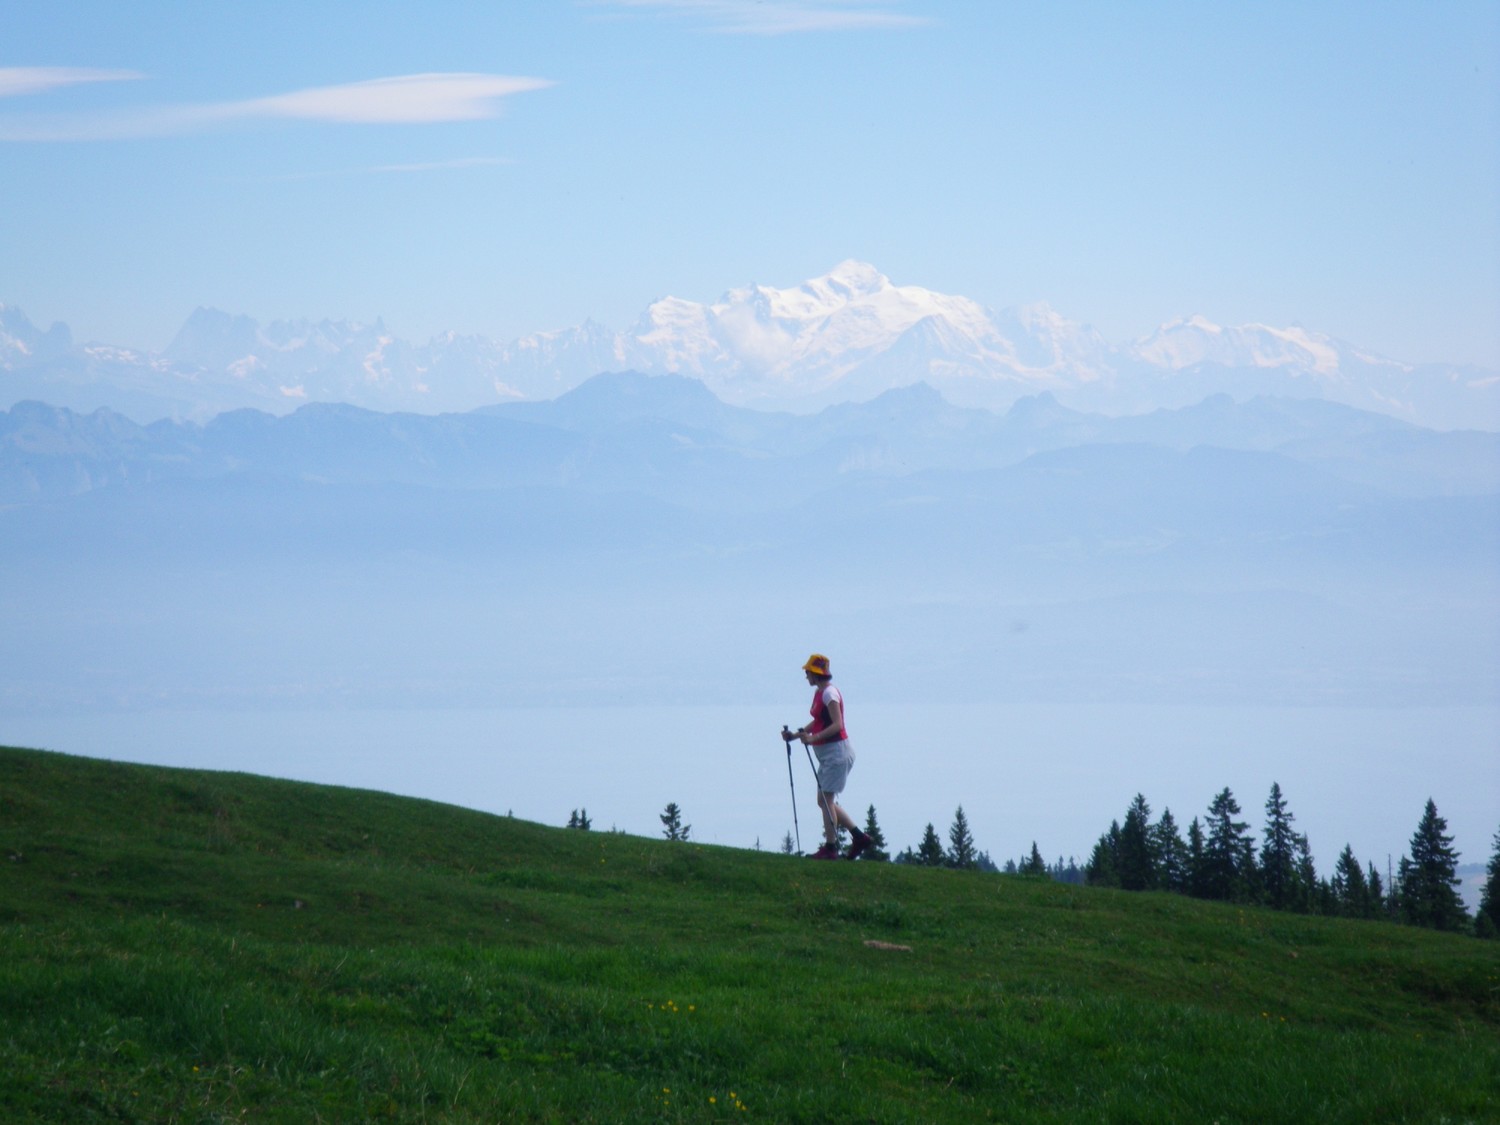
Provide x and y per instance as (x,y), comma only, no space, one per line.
(1186,343)
(852,334)
(848,335)
(762,342)
(336,361)
(22,342)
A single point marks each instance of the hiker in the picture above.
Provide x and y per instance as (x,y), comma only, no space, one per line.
(829,739)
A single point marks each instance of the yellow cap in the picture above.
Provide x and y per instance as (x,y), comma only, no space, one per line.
(817,664)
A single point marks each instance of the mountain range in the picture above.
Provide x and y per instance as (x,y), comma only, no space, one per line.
(671,438)
(637,538)
(847,336)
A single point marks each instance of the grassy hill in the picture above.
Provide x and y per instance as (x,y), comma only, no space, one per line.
(191,946)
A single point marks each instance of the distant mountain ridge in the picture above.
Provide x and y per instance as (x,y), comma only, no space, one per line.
(573,549)
(671,438)
(849,335)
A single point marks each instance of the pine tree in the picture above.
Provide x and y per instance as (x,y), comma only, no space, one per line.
(960,842)
(1351,893)
(787,844)
(876,851)
(672,826)
(1429,877)
(580,820)
(1103,867)
(1306,891)
(1487,922)
(1278,854)
(1227,853)
(930,850)
(1323,901)
(1034,864)
(1171,854)
(1197,876)
(1379,904)
(1135,859)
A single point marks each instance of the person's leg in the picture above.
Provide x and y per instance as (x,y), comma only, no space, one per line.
(828,805)
(842,818)
(859,841)
(834,763)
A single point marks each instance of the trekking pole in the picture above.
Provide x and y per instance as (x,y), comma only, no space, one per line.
(818,785)
(786,737)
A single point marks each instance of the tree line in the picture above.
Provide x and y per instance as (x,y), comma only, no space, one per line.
(1218,859)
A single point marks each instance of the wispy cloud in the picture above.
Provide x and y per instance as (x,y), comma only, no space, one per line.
(17,80)
(414,98)
(776,17)
(406,100)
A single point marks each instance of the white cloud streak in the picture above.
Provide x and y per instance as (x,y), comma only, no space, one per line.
(18,80)
(777,17)
(413,99)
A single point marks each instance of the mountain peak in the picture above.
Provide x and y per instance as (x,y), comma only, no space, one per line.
(846,335)
(209,335)
(852,278)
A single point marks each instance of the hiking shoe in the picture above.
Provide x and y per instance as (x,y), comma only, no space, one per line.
(857,848)
(827,851)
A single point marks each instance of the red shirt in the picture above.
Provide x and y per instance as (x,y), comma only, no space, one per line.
(819,711)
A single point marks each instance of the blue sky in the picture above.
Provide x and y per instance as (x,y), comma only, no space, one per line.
(504,168)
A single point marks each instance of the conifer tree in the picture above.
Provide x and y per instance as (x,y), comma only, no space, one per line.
(672,826)
(1324,902)
(1379,904)
(1227,853)
(1487,922)
(960,842)
(1351,893)
(1429,877)
(876,851)
(1171,854)
(1305,892)
(930,850)
(787,844)
(1278,854)
(1197,879)
(1136,859)
(1034,864)
(1103,867)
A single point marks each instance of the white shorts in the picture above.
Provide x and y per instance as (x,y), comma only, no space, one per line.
(835,760)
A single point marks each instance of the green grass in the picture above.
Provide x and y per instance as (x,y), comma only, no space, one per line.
(182,946)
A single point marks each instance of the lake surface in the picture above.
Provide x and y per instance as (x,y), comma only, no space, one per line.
(1056,774)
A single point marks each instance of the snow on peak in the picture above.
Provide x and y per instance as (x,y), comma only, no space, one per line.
(849,333)
(1187,343)
(855,278)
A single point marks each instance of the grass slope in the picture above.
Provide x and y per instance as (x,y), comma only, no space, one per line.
(191,946)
